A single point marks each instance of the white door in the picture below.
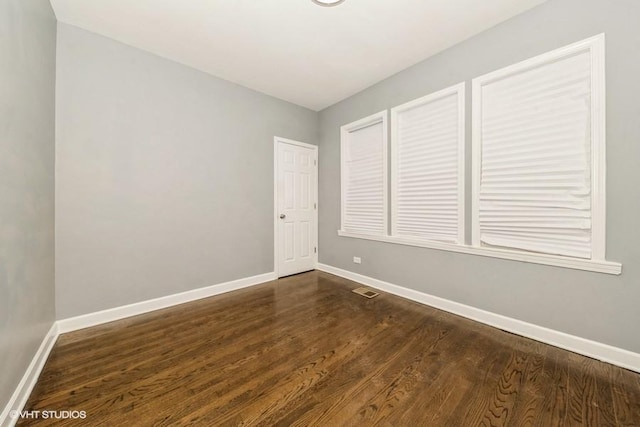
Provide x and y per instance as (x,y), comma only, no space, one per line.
(295,206)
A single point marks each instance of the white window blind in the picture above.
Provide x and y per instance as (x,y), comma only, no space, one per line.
(427,167)
(364,176)
(535,128)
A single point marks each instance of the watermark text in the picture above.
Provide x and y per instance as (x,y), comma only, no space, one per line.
(45,414)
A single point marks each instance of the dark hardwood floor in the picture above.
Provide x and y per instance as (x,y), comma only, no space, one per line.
(305,350)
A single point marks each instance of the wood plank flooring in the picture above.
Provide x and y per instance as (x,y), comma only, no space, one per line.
(305,350)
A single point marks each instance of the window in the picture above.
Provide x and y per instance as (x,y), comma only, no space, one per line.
(364,176)
(539,158)
(538,165)
(427,167)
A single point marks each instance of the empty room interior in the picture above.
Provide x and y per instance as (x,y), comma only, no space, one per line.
(320,212)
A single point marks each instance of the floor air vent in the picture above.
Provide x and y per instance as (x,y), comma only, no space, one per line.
(366,292)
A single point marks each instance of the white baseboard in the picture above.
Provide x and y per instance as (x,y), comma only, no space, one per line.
(606,353)
(29,379)
(117,313)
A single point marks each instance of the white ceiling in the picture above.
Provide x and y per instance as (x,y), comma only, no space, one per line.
(292,49)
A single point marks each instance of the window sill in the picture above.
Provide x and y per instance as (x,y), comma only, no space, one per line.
(606,267)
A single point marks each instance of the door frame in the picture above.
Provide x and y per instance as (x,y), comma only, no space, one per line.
(276,141)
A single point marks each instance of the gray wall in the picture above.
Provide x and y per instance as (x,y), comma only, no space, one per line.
(591,305)
(27,117)
(164,175)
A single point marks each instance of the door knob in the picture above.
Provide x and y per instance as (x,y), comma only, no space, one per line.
(282,216)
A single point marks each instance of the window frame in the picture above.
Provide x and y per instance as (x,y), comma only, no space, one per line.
(380,117)
(459,91)
(595,46)
(597,263)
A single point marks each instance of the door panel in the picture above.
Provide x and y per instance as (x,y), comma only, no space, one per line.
(305,239)
(296,208)
(305,191)
(289,240)
(289,190)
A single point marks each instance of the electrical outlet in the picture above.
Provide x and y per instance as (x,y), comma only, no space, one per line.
(357,260)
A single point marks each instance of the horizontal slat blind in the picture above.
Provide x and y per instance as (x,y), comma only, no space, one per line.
(426,161)
(364,181)
(535,188)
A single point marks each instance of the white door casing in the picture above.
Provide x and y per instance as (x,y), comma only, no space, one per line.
(296,208)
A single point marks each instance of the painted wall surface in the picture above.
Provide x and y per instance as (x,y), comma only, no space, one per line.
(596,306)
(27,118)
(164,175)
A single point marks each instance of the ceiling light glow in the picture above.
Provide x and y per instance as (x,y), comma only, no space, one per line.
(327,3)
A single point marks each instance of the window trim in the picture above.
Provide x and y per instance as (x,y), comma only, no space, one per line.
(595,47)
(459,90)
(380,117)
(598,266)
(598,263)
